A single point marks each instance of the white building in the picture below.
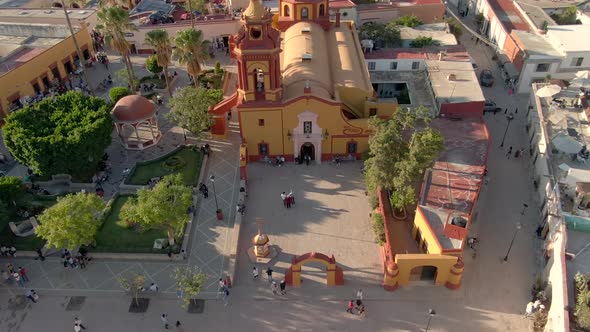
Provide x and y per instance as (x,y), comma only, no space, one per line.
(557,55)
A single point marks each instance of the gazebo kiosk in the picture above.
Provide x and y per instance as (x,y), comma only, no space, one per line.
(136,122)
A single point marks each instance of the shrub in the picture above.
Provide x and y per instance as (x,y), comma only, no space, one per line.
(129,224)
(379,228)
(410,21)
(117,93)
(373,200)
(173,163)
(218,69)
(151,64)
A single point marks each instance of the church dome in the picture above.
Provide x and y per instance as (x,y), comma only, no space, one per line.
(255,11)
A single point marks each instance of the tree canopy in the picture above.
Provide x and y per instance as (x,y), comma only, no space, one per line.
(189,108)
(160,41)
(423,42)
(455,28)
(409,21)
(64,134)
(400,149)
(12,190)
(163,207)
(567,17)
(191,50)
(385,35)
(189,280)
(72,222)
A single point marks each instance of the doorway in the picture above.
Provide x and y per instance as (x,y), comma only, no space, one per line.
(307,149)
(428,273)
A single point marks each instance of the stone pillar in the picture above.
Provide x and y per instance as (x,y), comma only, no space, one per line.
(455,275)
(390,277)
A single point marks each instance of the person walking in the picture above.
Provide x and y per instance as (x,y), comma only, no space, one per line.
(18,279)
(255,273)
(32,295)
(78,321)
(359,294)
(350,307)
(183,254)
(283,285)
(77,328)
(292,195)
(288,202)
(23,273)
(225,297)
(40,254)
(509,152)
(154,288)
(269,274)
(283,198)
(179,326)
(164,319)
(274,287)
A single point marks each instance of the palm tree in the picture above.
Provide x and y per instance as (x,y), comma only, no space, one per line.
(191,50)
(114,21)
(160,41)
(78,50)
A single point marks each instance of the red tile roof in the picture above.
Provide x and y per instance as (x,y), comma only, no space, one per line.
(509,15)
(342,4)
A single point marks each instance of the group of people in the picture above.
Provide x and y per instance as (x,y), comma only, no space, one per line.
(224,286)
(8,251)
(206,149)
(517,153)
(81,259)
(279,161)
(288,199)
(276,289)
(356,304)
(17,275)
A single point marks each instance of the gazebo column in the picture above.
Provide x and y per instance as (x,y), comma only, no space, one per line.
(152,129)
(136,133)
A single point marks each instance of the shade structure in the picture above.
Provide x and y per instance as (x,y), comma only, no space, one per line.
(564,167)
(583,74)
(548,91)
(580,81)
(566,144)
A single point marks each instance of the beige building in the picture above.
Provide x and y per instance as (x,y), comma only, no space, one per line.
(32,56)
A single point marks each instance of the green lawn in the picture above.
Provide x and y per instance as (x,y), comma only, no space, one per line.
(7,237)
(190,171)
(114,238)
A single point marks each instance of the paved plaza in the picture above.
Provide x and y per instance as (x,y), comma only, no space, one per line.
(330,216)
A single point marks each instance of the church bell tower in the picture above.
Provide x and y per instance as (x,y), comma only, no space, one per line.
(256,48)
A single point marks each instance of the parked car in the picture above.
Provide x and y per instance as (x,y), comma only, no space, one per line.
(486,78)
(490,106)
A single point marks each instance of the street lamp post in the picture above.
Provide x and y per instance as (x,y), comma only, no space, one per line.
(431,313)
(217,209)
(509,117)
(518,226)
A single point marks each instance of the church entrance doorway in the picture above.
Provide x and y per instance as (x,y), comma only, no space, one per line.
(307,149)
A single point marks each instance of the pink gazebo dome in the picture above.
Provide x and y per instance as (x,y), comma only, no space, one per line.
(133,109)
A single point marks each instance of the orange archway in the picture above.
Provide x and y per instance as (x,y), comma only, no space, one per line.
(334,274)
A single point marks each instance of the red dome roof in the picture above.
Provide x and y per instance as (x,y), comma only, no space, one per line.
(133,108)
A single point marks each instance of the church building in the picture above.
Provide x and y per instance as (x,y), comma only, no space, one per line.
(303,86)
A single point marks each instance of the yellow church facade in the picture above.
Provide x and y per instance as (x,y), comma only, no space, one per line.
(303,88)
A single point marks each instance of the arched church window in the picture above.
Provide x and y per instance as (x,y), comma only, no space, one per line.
(304,13)
(286,11)
(259,79)
(322,10)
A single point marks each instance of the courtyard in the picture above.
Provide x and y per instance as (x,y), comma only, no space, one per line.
(331,216)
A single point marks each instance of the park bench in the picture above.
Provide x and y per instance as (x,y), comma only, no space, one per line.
(24,228)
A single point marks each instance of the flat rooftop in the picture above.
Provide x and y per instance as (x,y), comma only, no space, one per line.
(570,37)
(509,15)
(396,4)
(18,58)
(463,88)
(436,31)
(536,45)
(455,179)
(77,14)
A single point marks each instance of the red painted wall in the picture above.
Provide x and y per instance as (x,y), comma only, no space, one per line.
(464,110)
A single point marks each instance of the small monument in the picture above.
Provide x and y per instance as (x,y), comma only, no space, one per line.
(261,250)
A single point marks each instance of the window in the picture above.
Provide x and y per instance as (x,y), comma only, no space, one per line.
(36,87)
(55,73)
(263,149)
(304,13)
(372,111)
(261,122)
(393,66)
(577,62)
(255,32)
(307,127)
(415,65)
(351,147)
(371,65)
(86,54)
(322,10)
(543,67)
(344,14)
(286,11)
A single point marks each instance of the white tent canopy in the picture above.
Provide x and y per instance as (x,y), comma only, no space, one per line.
(548,91)
(566,144)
